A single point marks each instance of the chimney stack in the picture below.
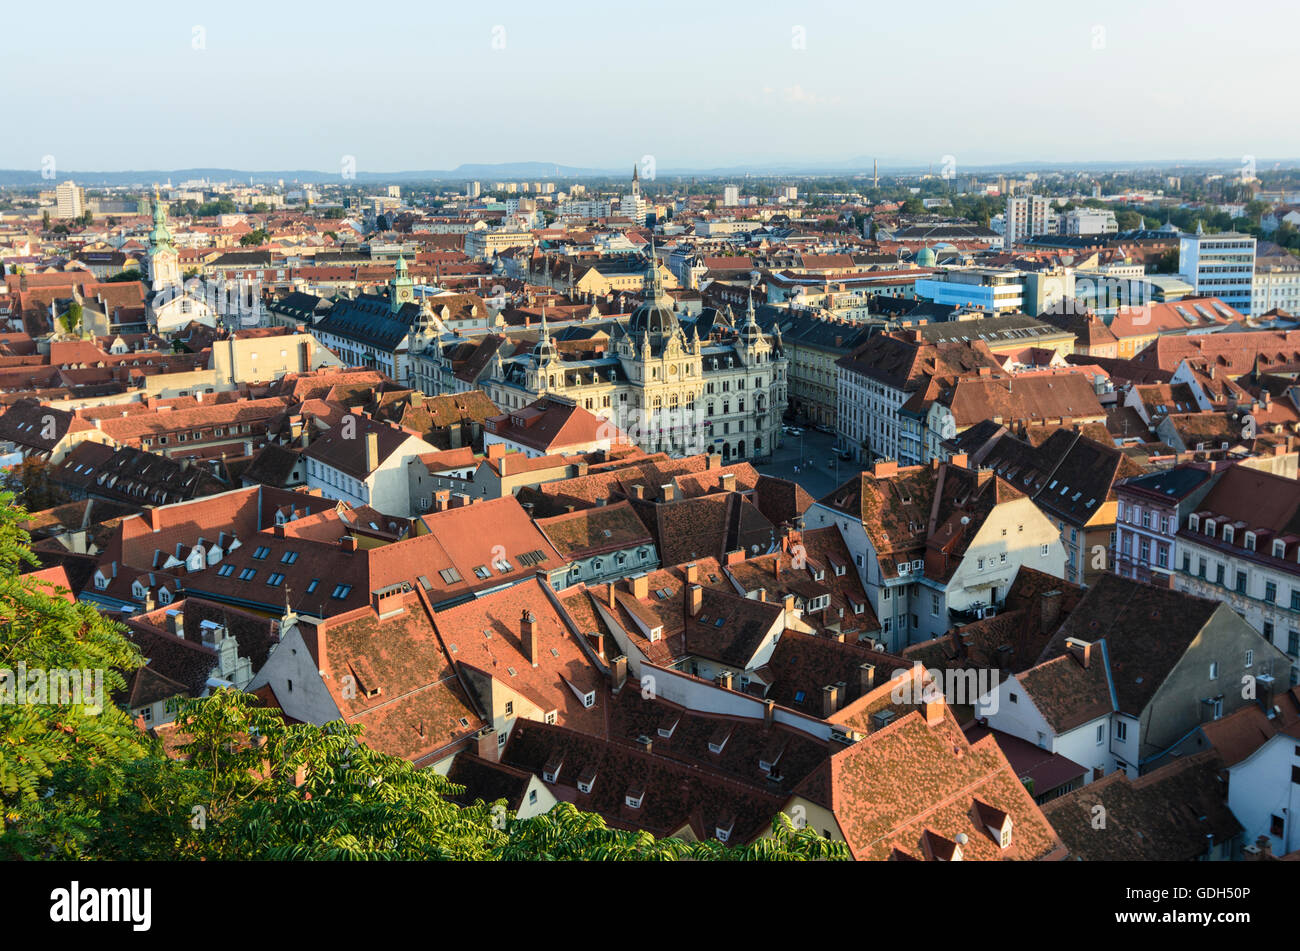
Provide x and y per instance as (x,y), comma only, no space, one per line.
(727,482)
(830,700)
(618,672)
(724,679)
(1080,650)
(867,677)
(372,452)
(668,491)
(694,599)
(176,621)
(485,741)
(934,708)
(528,629)
(692,573)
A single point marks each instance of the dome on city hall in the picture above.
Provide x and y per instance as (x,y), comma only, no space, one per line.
(654,319)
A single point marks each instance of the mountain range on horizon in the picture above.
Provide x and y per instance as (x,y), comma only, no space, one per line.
(550,170)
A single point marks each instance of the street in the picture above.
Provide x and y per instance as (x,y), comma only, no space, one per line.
(820,469)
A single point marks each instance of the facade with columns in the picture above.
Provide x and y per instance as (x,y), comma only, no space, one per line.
(715,383)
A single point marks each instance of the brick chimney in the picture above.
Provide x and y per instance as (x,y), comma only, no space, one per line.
(638,491)
(176,622)
(372,452)
(724,679)
(866,677)
(1080,650)
(668,491)
(961,460)
(934,709)
(884,468)
(694,599)
(348,543)
(692,573)
(485,744)
(496,451)
(528,635)
(639,586)
(1049,611)
(714,461)
(830,700)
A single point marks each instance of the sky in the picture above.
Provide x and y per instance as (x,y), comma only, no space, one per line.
(403,86)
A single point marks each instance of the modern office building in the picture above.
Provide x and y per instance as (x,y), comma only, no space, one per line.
(1219,265)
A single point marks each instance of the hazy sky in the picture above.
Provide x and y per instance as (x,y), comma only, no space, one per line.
(422,85)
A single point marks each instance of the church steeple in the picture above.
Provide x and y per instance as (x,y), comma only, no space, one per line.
(164,262)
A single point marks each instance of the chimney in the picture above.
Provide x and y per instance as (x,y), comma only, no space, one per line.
(724,679)
(667,491)
(1049,608)
(496,450)
(694,599)
(727,482)
(961,460)
(638,491)
(735,557)
(789,604)
(611,599)
(348,543)
(528,636)
(884,469)
(372,452)
(598,643)
(1080,650)
(176,622)
(618,672)
(714,461)
(762,594)
(639,586)
(934,708)
(485,741)
(830,700)
(866,677)
(692,573)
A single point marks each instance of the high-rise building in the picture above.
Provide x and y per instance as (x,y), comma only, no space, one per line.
(1219,265)
(731,195)
(71,200)
(474,189)
(1027,215)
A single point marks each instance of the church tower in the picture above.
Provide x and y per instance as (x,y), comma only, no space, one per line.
(401,289)
(164,262)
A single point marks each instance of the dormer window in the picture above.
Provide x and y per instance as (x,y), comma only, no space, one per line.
(1279,548)
(633,799)
(1209,528)
(1250,541)
(1194,522)
(589,699)
(1228,533)
(584,786)
(819,574)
